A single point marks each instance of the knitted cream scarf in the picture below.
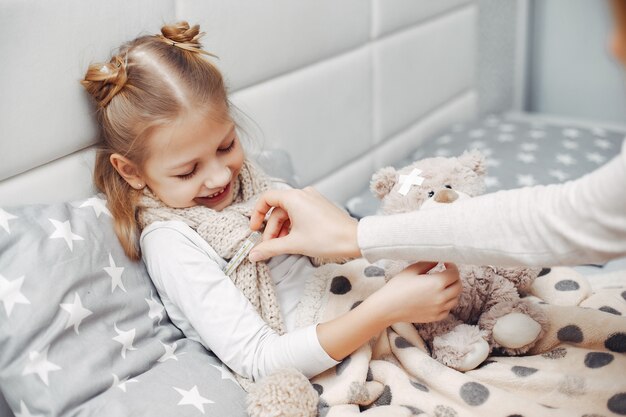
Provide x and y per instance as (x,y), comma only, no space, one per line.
(225,231)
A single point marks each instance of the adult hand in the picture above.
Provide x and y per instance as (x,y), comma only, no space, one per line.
(303,222)
(416,297)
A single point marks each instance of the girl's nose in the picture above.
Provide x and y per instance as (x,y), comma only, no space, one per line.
(218,176)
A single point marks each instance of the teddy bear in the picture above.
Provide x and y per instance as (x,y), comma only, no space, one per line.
(490,313)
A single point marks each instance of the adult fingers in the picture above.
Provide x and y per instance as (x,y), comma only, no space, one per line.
(275,223)
(267,200)
(284,231)
(270,248)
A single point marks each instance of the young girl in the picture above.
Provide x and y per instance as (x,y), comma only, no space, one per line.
(181,192)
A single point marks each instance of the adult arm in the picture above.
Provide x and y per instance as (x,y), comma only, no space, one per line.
(577,222)
(581,221)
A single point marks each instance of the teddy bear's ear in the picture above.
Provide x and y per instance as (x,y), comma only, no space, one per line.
(475,161)
(383,181)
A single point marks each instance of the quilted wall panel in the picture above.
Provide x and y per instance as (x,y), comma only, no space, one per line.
(338,85)
(47,46)
(420,68)
(392,15)
(260,40)
(305,113)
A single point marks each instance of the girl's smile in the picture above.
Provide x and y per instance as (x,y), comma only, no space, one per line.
(215,198)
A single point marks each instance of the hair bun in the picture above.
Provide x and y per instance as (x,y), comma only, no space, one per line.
(182,33)
(104,81)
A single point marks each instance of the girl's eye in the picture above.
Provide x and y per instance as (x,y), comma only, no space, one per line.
(431,193)
(228,148)
(188,175)
(448,186)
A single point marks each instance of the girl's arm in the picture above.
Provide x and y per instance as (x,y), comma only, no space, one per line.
(205,304)
(409,296)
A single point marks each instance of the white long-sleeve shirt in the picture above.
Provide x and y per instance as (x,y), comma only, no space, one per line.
(206,305)
(581,221)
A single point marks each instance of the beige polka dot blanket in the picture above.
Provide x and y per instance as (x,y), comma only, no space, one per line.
(577,368)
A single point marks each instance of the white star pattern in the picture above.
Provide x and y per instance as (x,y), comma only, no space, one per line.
(505,137)
(491,182)
(444,140)
(487,151)
(457,127)
(192,397)
(38,364)
(77,312)
(525,180)
(121,384)
(491,121)
(225,373)
(25,412)
(527,158)
(491,162)
(476,133)
(558,174)
(442,152)
(598,131)
(98,205)
(507,128)
(64,231)
(169,352)
(596,157)
(537,134)
(570,144)
(571,133)
(115,272)
(602,143)
(125,338)
(529,146)
(10,293)
(156,309)
(4,220)
(565,159)
(418,154)
(477,144)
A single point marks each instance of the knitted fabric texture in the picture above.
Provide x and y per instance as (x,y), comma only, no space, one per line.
(225,231)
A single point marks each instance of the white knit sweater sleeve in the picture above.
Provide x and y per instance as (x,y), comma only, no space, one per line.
(581,221)
(205,304)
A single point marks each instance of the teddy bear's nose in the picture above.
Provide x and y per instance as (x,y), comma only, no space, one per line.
(446,196)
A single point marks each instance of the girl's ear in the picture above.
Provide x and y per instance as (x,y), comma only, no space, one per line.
(383,181)
(127,170)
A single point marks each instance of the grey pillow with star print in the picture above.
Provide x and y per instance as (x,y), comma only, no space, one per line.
(519,152)
(82,330)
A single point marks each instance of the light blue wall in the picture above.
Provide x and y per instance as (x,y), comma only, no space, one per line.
(571,71)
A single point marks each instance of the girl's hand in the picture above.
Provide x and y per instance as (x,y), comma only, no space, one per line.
(303,222)
(415,297)
(411,296)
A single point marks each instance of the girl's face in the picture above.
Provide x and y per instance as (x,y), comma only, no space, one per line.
(194,161)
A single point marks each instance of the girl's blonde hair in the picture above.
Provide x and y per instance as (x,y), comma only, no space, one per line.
(150,82)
